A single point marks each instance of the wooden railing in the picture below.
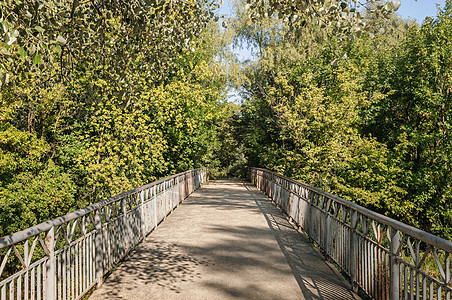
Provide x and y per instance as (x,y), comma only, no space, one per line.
(387,259)
(65,257)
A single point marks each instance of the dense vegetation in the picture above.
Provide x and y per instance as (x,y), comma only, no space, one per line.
(99,97)
(368,118)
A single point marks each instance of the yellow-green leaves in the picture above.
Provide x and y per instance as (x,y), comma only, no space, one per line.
(36,58)
(39,29)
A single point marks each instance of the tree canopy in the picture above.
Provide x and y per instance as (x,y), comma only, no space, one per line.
(98,97)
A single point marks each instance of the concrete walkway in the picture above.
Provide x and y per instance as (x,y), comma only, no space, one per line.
(226,241)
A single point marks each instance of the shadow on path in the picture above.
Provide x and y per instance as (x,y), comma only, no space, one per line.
(316,280)
(226,241)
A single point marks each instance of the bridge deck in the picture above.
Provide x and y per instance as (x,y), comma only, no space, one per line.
(226,241)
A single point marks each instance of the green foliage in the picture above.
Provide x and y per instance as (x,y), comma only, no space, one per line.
(34,197)
(367,119)
(115,33)
(104,97)
(414,118)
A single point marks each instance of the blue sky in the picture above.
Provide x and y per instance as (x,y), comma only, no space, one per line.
(419,9)
(409,9)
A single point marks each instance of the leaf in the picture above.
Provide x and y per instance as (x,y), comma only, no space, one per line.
(37,59)
(22,52)
(39,28)
(61,40)
(58,48)
(5,26)
(11,40)
(395,5)
(5,52)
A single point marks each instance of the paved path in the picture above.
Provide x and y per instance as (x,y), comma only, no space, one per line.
(226,241)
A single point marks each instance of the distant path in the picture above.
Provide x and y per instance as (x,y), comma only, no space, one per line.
(226,241)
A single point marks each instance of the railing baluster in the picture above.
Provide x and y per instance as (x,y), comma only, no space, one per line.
(448,275)
(11,290)
(98,247)
(353,247)
(19,288)
(394,268)
(373,263)
(64,271)
(26,286)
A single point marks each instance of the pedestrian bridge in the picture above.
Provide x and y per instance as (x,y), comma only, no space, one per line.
(184,237)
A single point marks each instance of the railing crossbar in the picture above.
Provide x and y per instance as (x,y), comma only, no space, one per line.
(77,249)
(365,245)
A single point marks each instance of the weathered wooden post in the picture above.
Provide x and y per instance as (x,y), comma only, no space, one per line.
(50,287)
(394,279)
(98,247)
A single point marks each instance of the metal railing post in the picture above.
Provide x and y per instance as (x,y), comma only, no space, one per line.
(143,215)
(154,196)
(448,277)
(125,225)
(394,279)
(353,247)
(50,286)
(98,247)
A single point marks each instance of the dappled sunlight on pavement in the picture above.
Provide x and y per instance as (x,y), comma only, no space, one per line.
(227,241)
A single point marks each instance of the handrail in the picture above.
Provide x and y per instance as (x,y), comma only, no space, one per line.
(412,231)
(386,258)
(64,257)
(45,226)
